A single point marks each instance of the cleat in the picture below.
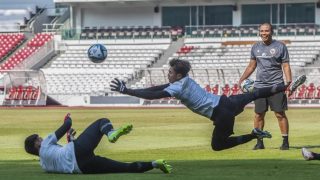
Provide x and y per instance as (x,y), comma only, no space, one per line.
(284,146)
(258,146)
(163,166)
(113,137)
(307,155)
(296,83)
(260,134)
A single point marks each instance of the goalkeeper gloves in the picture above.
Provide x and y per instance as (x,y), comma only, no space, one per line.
(119,86)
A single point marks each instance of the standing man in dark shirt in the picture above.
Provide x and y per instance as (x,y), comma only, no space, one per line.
(271,59)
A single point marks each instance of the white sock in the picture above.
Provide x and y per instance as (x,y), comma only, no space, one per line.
(154,164)
(110,132)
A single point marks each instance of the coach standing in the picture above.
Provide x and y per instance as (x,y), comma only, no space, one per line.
(271,59)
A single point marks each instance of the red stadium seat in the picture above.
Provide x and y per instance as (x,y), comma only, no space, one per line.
(215,89)
(28,93)
(226,90)
(12,93)
(310,91)
(300,94)
(20,93)
(208,88)
(317,96)
(235,89)
(35,93)
(8,42)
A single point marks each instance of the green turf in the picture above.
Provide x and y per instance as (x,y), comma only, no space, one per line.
(177,135)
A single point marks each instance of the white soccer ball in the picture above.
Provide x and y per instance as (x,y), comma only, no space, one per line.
(97,53)
(247,85)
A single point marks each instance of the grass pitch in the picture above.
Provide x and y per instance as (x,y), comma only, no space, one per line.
(177,135)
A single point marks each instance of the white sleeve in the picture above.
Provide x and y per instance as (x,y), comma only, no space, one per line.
(51,139)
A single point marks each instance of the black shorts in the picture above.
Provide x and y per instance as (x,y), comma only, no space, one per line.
(223,116)
(277,103)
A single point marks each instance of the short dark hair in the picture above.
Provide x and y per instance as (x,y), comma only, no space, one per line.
(180,66)
(269,24)
(29,144)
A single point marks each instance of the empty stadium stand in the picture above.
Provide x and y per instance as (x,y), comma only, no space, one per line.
(251,31)
(22,54)
(9,42)
(125,32)
(72,73)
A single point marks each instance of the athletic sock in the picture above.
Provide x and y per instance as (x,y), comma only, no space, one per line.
(107,128)
(285,138)
(154,164)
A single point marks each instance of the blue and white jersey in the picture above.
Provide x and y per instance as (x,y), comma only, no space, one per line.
(57,158)
(193,96)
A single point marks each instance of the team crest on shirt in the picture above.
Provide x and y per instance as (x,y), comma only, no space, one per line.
(273,51)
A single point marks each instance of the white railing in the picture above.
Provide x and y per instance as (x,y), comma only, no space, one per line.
(52,27)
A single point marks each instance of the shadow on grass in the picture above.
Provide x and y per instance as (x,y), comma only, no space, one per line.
(299,147)
(201,169)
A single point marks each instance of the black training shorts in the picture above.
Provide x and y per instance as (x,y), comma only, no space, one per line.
(277,103)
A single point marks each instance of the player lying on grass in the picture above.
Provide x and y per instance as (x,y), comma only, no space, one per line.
(222,110)
(309,155)
(78,155)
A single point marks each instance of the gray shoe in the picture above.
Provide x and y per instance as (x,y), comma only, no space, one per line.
(260,134)
(296,83)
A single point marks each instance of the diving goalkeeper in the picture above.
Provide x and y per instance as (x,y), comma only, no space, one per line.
(222,110)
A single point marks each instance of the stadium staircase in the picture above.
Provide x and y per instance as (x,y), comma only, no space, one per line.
(173,48)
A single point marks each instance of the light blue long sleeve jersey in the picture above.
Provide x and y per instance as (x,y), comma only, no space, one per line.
(193,96)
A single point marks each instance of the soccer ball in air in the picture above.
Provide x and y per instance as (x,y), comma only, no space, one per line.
(97,53)
(247,85)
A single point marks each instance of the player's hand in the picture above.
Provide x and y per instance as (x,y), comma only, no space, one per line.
(239,85)
(71,135)
(287,84)
(119,86)
(67,117)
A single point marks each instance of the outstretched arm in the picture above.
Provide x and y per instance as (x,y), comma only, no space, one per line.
(157,88)
(155,92)
(287,73)
(61,131)
(249,70)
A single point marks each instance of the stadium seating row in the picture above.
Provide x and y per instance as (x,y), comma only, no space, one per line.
(9,42)
(237,56)
(245,31)
(126,32)
(83,81)
(304,92)
(129,32)
(32,46)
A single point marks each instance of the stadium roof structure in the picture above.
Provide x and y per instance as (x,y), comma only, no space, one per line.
(95,3)
(189,1)
(90,1)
